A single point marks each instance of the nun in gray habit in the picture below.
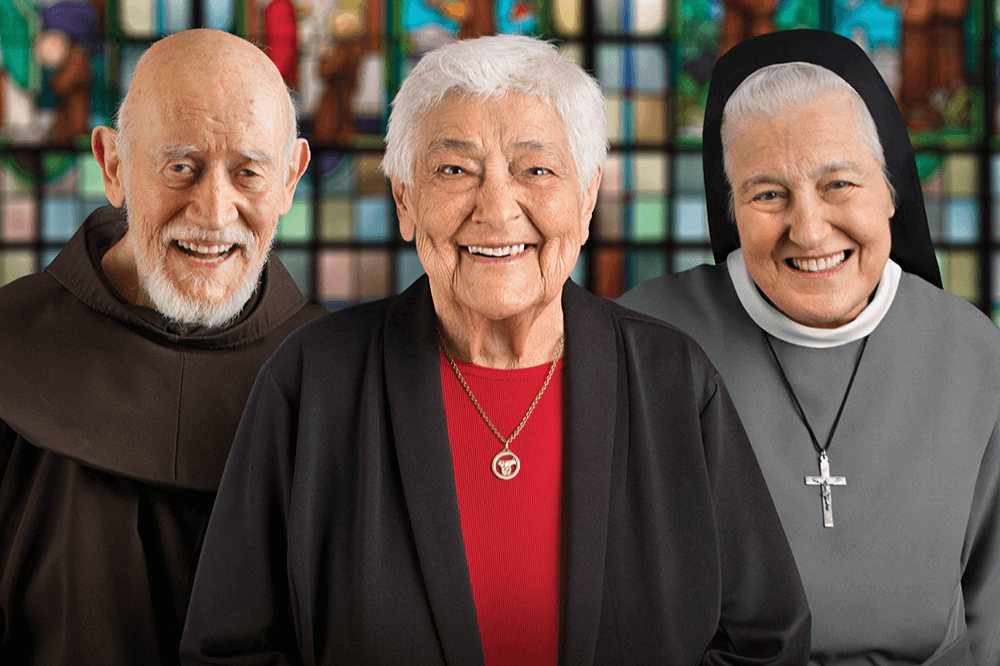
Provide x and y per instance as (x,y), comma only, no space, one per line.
(871,396)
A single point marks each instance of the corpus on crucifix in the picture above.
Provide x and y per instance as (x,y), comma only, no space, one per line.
(824,481)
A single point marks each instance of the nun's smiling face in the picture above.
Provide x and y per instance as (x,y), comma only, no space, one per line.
(812,209)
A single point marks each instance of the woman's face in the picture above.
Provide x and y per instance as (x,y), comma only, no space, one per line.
(812,209)
(495,205)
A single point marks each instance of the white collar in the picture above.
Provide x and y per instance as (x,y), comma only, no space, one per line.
(780,326)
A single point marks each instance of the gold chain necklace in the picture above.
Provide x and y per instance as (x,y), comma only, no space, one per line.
(505,464)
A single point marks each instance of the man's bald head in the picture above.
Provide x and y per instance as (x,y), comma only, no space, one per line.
(202,63)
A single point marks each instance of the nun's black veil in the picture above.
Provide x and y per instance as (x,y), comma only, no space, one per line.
(911,240)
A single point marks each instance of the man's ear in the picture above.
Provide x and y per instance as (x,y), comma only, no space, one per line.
(404,209)
(300,160)
(104,143)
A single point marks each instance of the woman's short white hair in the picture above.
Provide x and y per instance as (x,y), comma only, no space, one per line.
(770,89)
(492,67)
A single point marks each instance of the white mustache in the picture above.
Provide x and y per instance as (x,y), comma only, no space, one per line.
(239,236)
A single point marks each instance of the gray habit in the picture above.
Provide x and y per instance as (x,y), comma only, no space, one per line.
(910,573)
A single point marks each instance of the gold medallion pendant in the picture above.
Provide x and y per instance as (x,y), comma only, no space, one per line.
(506,465)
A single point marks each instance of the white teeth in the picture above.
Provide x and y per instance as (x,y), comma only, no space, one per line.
(821,264)
(504,251)
(204,249)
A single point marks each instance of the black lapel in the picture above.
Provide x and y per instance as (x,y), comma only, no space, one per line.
(420,430)
(591,381)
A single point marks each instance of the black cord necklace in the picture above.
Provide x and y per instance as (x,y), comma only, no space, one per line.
(824,480)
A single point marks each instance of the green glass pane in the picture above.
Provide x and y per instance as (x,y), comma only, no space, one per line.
(91,177)
(649,219)
(646,265)
(296,224)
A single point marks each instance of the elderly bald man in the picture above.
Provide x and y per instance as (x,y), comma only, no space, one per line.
(127,362)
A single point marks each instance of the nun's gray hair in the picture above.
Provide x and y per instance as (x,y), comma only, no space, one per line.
(491,67)
(770,89)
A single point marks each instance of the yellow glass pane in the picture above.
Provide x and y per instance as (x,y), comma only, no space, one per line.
(137,16)
(962,274)
(572,52)
(650,16)
(613,113)
(962,175)
(337,219)
(650,119)
(568,17)
(650,173)
(16,264)
(370,180)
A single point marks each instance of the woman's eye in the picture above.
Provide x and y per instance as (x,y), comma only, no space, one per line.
(451,170)
(766,196)
(539,171)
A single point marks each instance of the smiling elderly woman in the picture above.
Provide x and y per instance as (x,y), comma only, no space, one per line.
(428,480)
(845,357)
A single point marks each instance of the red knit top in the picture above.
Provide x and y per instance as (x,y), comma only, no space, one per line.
(510,528)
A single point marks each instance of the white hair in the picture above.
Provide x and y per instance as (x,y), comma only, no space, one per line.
(770,89)
(490,67)
(123,138)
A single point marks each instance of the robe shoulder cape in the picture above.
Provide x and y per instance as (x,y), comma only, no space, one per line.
(336,537)
(910,572)
(113,436)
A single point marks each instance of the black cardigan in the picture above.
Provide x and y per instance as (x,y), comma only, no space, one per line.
(336,535)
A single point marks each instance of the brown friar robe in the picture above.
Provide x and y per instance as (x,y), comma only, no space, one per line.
(115,425)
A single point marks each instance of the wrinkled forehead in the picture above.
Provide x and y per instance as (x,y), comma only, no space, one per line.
(222,106)
(508,120)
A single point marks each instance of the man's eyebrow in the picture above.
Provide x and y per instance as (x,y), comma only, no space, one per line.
(257,156)
(174,151)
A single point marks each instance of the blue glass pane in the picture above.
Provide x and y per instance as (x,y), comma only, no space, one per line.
(408,268)
(173,16)
(689,176)
(579,272)
(219,14)
(47,257)
(609,67)
(371,219)
(690,219)
(687,259)
(650,68)
(962,221)
(59,219)
(299,265)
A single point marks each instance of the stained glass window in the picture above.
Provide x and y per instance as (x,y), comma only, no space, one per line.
(64,66)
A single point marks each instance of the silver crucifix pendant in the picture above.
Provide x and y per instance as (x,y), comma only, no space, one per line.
(824,481)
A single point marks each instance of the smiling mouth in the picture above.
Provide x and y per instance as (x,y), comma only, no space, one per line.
(208,254)
(819,264)
(504,251)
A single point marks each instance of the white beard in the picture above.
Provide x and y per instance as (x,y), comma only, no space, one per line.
(196,310)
